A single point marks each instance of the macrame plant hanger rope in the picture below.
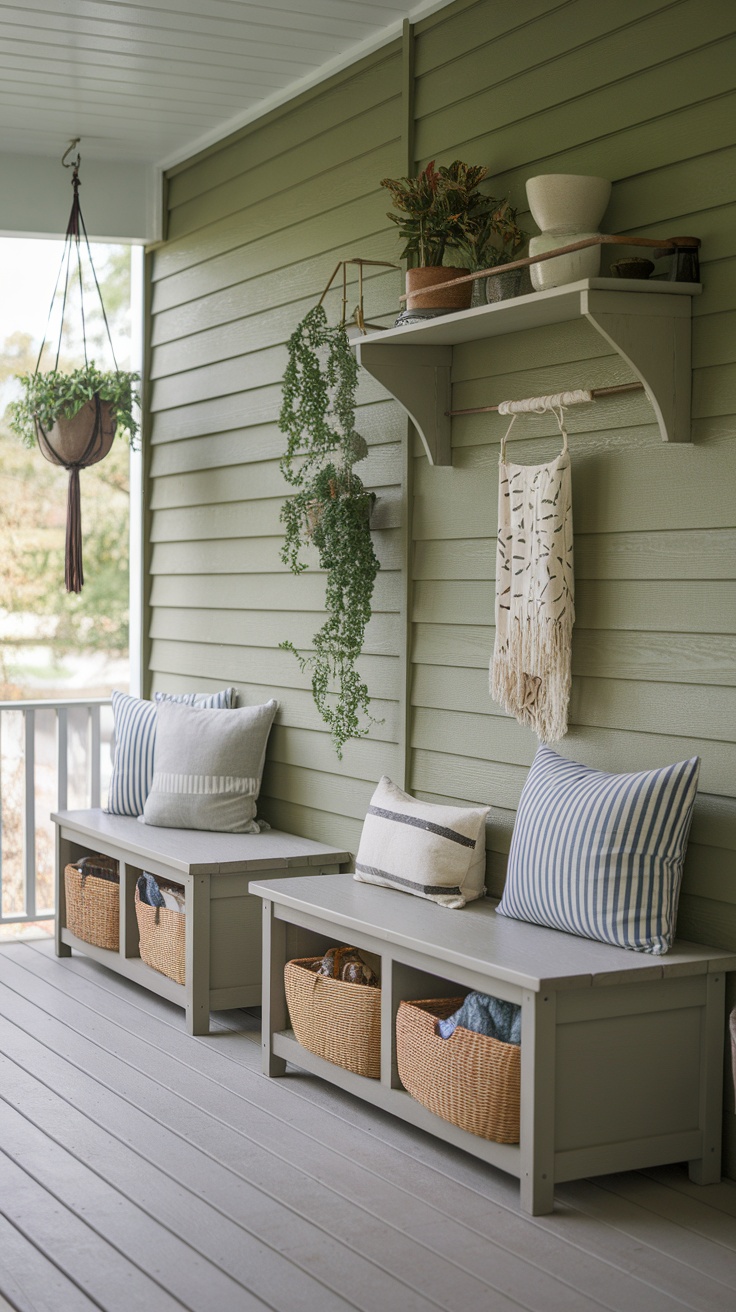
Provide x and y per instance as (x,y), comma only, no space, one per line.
(63,450)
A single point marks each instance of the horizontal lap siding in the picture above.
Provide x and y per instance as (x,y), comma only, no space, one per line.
(255,229)
(647,97)
(641,92)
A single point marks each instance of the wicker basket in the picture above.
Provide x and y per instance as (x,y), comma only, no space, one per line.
(335,1020)
(162,939)
(93,902)
(469,1079)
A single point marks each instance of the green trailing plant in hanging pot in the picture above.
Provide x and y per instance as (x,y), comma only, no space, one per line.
(329,510)
(51,403)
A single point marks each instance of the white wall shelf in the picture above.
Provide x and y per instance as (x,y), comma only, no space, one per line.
(647,323)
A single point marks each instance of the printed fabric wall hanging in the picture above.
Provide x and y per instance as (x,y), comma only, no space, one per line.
(535,607)
(74,416)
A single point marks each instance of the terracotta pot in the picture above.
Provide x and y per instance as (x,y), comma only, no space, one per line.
(453,298)
(80,439)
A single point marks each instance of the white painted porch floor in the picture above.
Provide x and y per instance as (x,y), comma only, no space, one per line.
(145,1171)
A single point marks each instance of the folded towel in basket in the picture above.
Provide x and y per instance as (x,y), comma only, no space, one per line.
(484,1015)
(160,895)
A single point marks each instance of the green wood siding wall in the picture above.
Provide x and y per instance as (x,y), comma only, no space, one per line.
(255,229)
(637,91)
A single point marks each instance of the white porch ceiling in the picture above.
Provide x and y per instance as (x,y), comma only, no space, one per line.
(153,81)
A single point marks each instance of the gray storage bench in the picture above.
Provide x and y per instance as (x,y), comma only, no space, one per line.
(621,1052)
(223,929)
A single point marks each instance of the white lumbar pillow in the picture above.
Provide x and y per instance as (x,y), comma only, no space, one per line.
(435,852)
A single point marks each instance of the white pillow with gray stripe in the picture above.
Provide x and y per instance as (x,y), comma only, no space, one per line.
(435,852)
(207,767)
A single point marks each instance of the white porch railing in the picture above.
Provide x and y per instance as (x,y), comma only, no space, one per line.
(51,758)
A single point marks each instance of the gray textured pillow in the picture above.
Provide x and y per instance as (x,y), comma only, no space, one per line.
(207,767)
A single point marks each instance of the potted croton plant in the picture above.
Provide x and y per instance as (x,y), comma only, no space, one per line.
(442,210)
(330,510)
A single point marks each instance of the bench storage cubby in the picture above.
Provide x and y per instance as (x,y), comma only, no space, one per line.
(93,900)
(470,1080)
(162,939)
(222,931)
(621,1059)
(337,1021)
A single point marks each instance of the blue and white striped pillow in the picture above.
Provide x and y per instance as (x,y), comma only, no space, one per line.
(601,855)
(135,739)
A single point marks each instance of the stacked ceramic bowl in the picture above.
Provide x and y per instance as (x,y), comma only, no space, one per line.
(568,208)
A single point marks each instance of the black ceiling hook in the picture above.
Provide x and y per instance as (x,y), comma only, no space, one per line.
(74,163)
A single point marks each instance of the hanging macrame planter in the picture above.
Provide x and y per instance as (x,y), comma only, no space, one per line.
(78,430)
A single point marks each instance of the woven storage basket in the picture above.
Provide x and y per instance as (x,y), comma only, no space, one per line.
(469,1079)
(162,939)
(93,904)
(335,1020)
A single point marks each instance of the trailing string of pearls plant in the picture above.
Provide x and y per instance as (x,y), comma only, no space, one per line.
(331,510)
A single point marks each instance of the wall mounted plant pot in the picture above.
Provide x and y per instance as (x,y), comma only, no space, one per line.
(315,507)
(84,439)
(448,300)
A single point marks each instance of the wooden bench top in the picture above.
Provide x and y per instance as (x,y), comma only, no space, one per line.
(196,851)
(476,938)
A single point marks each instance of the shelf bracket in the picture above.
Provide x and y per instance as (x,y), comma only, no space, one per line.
(654,340)
(418,377)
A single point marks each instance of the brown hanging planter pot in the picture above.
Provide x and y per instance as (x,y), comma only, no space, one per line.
(74,444)
(82,440)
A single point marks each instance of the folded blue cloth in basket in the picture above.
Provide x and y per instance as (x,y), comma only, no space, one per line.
(484,1015)
(149,891)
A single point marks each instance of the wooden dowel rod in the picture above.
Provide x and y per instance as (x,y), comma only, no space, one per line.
(383,264)
(332,279)
(600,239)
(595,393)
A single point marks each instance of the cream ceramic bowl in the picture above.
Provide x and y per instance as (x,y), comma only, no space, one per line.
(568,201)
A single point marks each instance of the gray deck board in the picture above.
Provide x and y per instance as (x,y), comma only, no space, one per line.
(24,1270)
(271,1187)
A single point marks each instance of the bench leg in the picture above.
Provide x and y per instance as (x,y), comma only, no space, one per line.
(537,1144)
(198,955)
(273,994)
(707,1169)
(62,859)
